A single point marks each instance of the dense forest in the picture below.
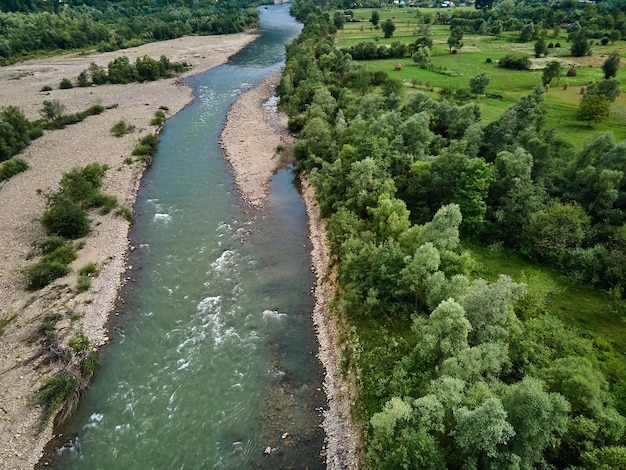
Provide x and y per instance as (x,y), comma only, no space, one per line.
(453,370)
(34,26)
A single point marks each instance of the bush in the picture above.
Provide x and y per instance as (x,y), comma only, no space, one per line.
(121,128)
(515,62)
(64,217)
(146,146)
(79,343)
(65,84)
(159,118)
(60,391)
(12,167)
(88,269)
(45,88)
(83,80)
(44,272)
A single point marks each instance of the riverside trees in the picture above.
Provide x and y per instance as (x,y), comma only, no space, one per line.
(455,371)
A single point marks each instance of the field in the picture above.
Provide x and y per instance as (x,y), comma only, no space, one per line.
(506,86)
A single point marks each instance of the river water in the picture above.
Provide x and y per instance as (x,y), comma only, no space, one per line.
(214,359)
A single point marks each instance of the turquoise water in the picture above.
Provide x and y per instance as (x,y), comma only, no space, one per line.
(213,358)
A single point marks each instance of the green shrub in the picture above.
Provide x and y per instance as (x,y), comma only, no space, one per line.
(44,272)
(79,343)
(65,218)
(147,145)
(65,84)
(126,213)
(94,110)
(12,167)
(516,62)
(88,269)
(64,254)
(84,284)
(158,119)
(105,202)
(121,128)
(45,88)
(83,80)
(90,365)
(60,391)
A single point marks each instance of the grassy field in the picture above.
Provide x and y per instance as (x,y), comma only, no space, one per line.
(506,86)
(592,312)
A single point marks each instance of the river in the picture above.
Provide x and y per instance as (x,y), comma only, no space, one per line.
(214,356)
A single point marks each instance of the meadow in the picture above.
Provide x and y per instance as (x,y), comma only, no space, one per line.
(453,71)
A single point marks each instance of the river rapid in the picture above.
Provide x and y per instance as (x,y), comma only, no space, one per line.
(213,362)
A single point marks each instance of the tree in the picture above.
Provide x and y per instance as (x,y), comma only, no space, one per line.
(550,71)
(388,28)
(609,88)
(478,83)
(541,48)
(422,56)
(456,38)
(593,108)
(611,65)
(527,32)
(339,19)
(580,45)
(375,18)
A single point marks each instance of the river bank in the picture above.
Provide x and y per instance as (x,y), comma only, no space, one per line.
(254,160)
(23,313)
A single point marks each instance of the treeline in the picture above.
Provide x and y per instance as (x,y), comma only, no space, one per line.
(454,371)
(28,28)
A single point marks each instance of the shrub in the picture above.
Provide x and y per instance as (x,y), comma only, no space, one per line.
(126,213)
(45,88)
(12,167)
(88,269)
(60,391)
(159,118)
(64,217)
(44,272)
(90,365)
(146,146)
(65,84)
(83,285)
(83,80)
(511,61)
(79,343)
(121,128)
(94,110)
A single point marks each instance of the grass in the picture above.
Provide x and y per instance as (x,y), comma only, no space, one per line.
(471,60)
(593,312)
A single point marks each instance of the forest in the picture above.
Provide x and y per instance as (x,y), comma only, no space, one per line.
(32,27)
(458,366)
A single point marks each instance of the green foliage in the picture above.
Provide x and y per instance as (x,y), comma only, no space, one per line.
(44,272)
(79,343)
(388,28)
(59,392)
(121,128)
(12,167)
(15,132)
(478,83)
(66,218)
(580,45)
(158,119)
(147,146)
(65,84)
(541,48)
(551,70)
(517,62)
(593,109)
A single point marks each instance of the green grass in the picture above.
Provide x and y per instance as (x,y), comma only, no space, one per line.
(593,312)
(471,60)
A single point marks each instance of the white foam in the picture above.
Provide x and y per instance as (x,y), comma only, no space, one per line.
(274,314)
(162,216)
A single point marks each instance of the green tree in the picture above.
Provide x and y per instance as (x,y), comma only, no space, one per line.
(541,48)
(580,45)
(550,71)
(339,19)
(593,108)
(527,32)
(478,83)
(558,228)
(611,65)
(375,18)
(455,39)
(388,28)
(609,88)
(65,217)
(539,419)
(443,230)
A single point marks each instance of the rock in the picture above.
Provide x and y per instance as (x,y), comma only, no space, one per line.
(268,450)
(285,435)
